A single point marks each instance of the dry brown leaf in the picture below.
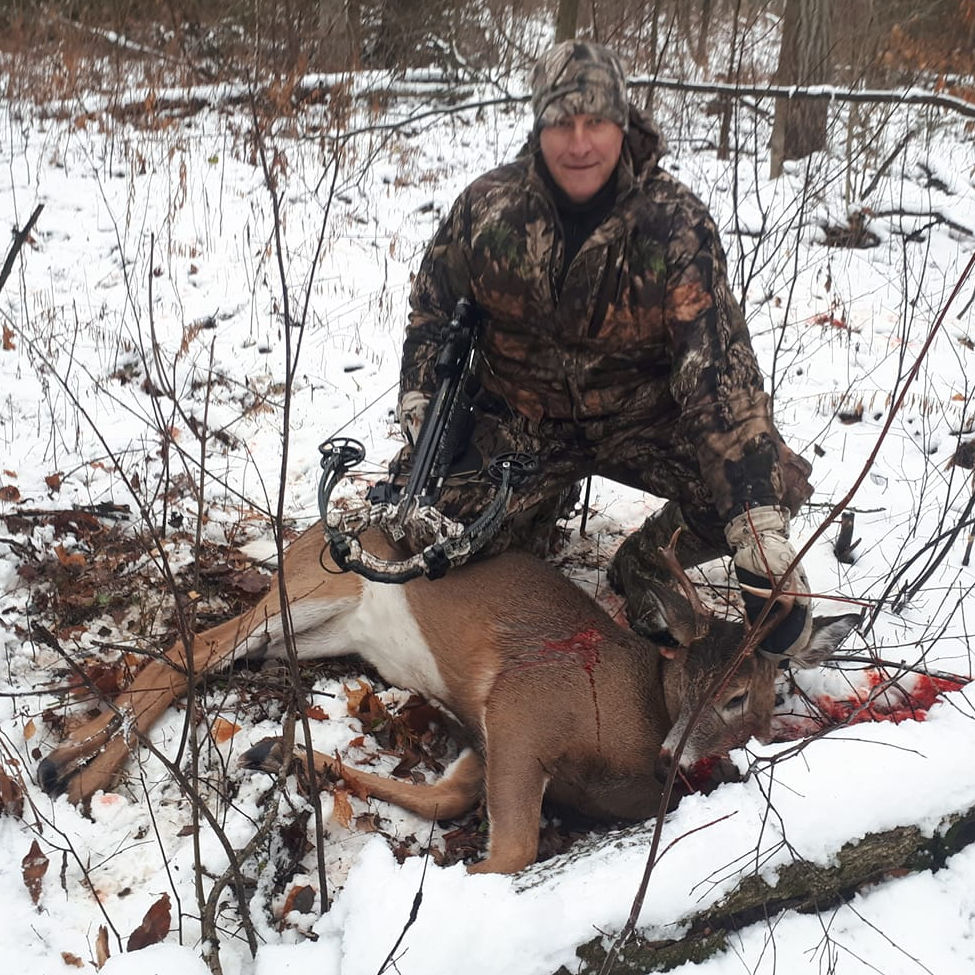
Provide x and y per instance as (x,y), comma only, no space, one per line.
(356,695)
(34,866)
(72,559)
(9,493)
(315,712)
(53,481)
(300,899)
(367,822)
(341,808)
(8,339)
(223,730)
(251,581)
(73,960)
(30,729)
(11,796)
(154,927)
(102,953)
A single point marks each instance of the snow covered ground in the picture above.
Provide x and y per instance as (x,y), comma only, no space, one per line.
(153,268)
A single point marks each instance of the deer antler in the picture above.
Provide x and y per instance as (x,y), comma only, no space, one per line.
(702,616)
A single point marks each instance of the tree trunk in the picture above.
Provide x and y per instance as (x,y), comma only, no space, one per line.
(802,886)
(800,124)
(567,20)
(701,54)
(724,137)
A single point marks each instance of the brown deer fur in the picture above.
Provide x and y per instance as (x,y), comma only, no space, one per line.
(560,700)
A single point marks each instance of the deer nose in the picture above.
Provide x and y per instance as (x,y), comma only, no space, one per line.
(665,761)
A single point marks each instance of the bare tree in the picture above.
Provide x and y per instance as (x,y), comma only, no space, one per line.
(800,124)
(566,20)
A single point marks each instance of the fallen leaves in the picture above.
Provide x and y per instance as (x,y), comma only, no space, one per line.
(356,696)
(102,953)
(107,679)
(154,926)
(300,899)
(223,730)
(11,796)
(70,560)
(365,704)
(342,808)
(34,866)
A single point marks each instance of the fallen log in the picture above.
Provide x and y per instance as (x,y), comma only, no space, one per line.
(801,886)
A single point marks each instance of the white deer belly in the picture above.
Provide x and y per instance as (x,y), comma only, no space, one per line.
(384,632)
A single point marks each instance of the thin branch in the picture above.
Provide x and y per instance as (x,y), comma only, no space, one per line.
(20,237)
(832,93)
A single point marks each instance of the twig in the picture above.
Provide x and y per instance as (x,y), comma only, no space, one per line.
(949,537)
(414,908)
(831,93)
(836,663)
(20,236)
(292,349)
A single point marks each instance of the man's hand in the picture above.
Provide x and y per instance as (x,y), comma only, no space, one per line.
(759,540)
(412,409)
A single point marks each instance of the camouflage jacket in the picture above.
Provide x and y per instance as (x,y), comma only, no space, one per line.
(644,325)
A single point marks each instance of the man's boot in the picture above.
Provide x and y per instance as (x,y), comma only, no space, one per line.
(636,566)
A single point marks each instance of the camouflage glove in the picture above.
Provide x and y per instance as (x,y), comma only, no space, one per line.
(411,410)
(759,540)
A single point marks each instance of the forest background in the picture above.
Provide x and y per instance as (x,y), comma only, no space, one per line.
(215,210)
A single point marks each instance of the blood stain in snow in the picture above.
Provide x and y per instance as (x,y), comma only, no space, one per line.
(887,700)
(882,698)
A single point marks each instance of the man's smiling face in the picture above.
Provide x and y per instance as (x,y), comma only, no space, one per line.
(581,152)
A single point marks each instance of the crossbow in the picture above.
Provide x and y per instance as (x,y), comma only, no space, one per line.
(393,507)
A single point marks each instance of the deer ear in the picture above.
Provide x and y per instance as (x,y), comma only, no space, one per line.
(682,621)
(828,632)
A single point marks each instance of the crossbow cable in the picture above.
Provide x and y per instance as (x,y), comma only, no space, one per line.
(455,543)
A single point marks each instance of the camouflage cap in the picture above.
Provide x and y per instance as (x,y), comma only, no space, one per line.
(579,78)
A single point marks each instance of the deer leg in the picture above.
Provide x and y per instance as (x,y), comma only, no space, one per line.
(93,753)
(90,758)
(516,780)
(453,795)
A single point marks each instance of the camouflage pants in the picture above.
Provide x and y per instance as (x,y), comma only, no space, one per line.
(657,461)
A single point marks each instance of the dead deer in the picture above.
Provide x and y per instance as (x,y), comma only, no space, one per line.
(560,701)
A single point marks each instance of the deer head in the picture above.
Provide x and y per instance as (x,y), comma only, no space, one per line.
(719,693)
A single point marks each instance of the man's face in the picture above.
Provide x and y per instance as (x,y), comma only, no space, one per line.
(581,152)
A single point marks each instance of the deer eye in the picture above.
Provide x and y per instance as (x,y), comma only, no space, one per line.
(737,702)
